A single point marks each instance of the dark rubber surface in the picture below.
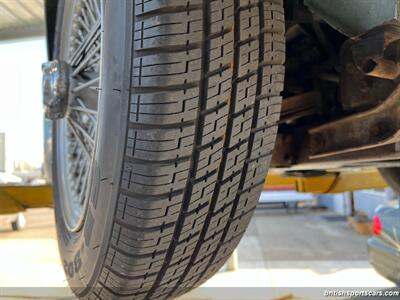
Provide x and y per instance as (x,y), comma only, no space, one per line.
(206,78)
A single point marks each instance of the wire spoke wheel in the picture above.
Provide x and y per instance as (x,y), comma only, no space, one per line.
(77,130)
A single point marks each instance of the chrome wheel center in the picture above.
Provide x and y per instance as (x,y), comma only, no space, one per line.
(55,89)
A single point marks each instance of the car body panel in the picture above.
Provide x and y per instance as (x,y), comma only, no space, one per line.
(356,16)
(384,249)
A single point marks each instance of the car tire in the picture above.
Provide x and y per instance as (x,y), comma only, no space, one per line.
(189,101)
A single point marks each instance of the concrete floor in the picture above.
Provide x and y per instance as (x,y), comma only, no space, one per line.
(281,254)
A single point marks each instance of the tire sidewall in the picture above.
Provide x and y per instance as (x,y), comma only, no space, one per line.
(83,253)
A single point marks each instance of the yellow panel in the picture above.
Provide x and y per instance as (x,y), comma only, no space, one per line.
(8,205)
(277,180)
(317,185)
(331,183)
(353,181)
(14,199)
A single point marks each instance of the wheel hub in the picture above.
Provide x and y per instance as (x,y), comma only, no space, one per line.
(55,89)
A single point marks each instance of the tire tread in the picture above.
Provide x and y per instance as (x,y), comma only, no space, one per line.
(204,106)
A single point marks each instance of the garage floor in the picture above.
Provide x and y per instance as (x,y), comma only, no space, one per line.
(283,252)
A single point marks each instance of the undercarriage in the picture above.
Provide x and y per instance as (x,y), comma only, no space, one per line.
(341,97)
(164,118)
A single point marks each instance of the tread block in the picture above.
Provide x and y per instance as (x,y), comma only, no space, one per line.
(170,29)
(151,216)
(202,192)
(166,68)
(269,111)
(209,159)
(246,93)
(264,142)
(235,159)
(164,108)
(152,181)
(227,192)
(158,144)
(242,124)
(157,7)
(273,80)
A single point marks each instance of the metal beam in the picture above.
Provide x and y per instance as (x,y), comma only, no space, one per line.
(377,126)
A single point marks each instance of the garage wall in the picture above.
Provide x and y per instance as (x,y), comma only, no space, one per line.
(339,203)
(369,200)
(366,201)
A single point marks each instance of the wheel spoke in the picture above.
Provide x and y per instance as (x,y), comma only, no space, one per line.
(91,113)
(90,11)
(77,164)
(90,6)
(79,139)
(96,5)
(83,23)
(85,15)
(88,61)
(86,85)
(82,171)
(82,194)
(81,179)
(80,142)
(80,125)
(84,110)
(90,39)
(80,34)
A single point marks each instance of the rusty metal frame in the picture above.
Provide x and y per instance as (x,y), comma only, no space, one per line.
(377,126)
(299,106)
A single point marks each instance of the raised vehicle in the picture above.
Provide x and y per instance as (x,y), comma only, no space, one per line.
(168,114)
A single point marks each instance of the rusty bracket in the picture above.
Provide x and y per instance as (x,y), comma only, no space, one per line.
(369,67)
(371,53)
(299,106)
(376,126)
